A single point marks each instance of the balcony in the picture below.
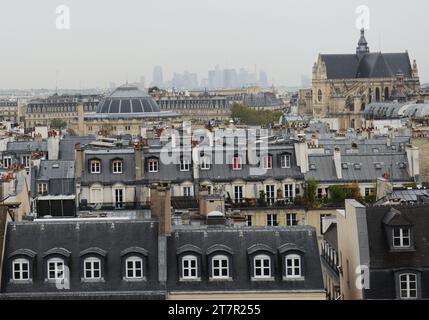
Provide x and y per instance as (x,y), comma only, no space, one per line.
(111,206)
(266,203)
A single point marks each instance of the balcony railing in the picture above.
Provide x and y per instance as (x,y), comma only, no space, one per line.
(110,206)
(266,203)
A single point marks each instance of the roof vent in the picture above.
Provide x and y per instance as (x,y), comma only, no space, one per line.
(55,166)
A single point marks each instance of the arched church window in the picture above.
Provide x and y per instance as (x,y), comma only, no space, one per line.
(319,95)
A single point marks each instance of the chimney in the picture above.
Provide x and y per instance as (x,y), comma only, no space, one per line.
(413,160)
(53,147)
(161,210)
(301,153)
(160,196)
(3,229)
(338,163)
(138,158)
(78,167)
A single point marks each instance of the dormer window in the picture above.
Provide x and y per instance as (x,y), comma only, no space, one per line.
(205,163)
(236,163)
(55,269)
(189,267)
(185,165)
(134,267)
(345,166)
(268,162)
(285,161)
(153,165)
(262,266)
(293,266)
(117,166)
(92,268)
(401,237)
(220,267)
(358,166)
(20,269)
(95,166)
(312,166)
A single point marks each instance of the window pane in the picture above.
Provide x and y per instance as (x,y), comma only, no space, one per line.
(138,273)
(266,263)
(25,266)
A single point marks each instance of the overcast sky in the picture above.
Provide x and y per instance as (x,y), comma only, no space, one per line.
(115,40)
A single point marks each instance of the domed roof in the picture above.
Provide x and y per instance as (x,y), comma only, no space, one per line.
(128,100)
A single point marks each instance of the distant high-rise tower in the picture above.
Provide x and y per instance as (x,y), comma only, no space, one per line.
(158,79)
(263,79)
(142,82)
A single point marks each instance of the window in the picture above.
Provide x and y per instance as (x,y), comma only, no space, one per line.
(262,266)
(184,165)
(236,163)
(21,269)
(369,191)
(42,188)
(408,286)
(288,189)
(269,191)
(119,198)
(285,161)
(26,161)
(291,219)
(220,269)
(55,269)
(319,193)
(95,166)
(186,191)
(153,165)
(249,220)
(293,266)
(401,237)
(7,162)
(189,267)
(268,162)
(238,194)
(92,269)
(205,163)
(134,268)
(127,128)
(272,220)
(319,95)
(117,166)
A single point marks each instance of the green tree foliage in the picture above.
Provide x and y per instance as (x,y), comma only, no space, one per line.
(58,123)
(310,192)
(253,117)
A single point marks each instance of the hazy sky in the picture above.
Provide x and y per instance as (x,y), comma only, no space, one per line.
(115,40)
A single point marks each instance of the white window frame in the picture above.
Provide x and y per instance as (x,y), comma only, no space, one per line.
(7,160)
(187,192)
(408,282)
(117,166)
(26,160)
(270,193)
(205,163)
(153,165)
(290,218)
(268,162)
(261,258)
(185,165)
(295,260)
(94,167)
(119,197)
(220,268)
(237,163)
(92,269)
(238,193)
(285,161)
(21,263)
(42,187)
(249,220)
(189,259)
(288,190)
(401,237)
(134,269)
(58,268)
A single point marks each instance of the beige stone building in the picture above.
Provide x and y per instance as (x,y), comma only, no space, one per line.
(344,84)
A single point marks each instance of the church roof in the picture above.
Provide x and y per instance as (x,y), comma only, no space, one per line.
(370,65)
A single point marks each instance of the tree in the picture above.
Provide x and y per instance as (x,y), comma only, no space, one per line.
(251,116)
(310,192)
(58,123)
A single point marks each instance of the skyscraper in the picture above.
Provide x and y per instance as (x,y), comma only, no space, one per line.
(158,79)
(263,79)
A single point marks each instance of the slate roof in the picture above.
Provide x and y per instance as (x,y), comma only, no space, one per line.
(67,146)
(389,163)
(370,65)
(240,241)
(112,236)
(27,146)
(55,169)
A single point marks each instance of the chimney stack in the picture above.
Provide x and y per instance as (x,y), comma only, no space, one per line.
(338,163)
(138,158)
(160,196)
(53,146)
(301,153)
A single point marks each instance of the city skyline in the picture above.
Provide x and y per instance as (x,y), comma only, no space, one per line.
(93,53)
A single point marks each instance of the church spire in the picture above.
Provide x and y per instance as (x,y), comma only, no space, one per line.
(362,47)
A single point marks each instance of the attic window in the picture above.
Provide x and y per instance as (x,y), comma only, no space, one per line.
(358,166)
(345,166)
(375,150)
(378,166)
(312,166)
(55,166)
